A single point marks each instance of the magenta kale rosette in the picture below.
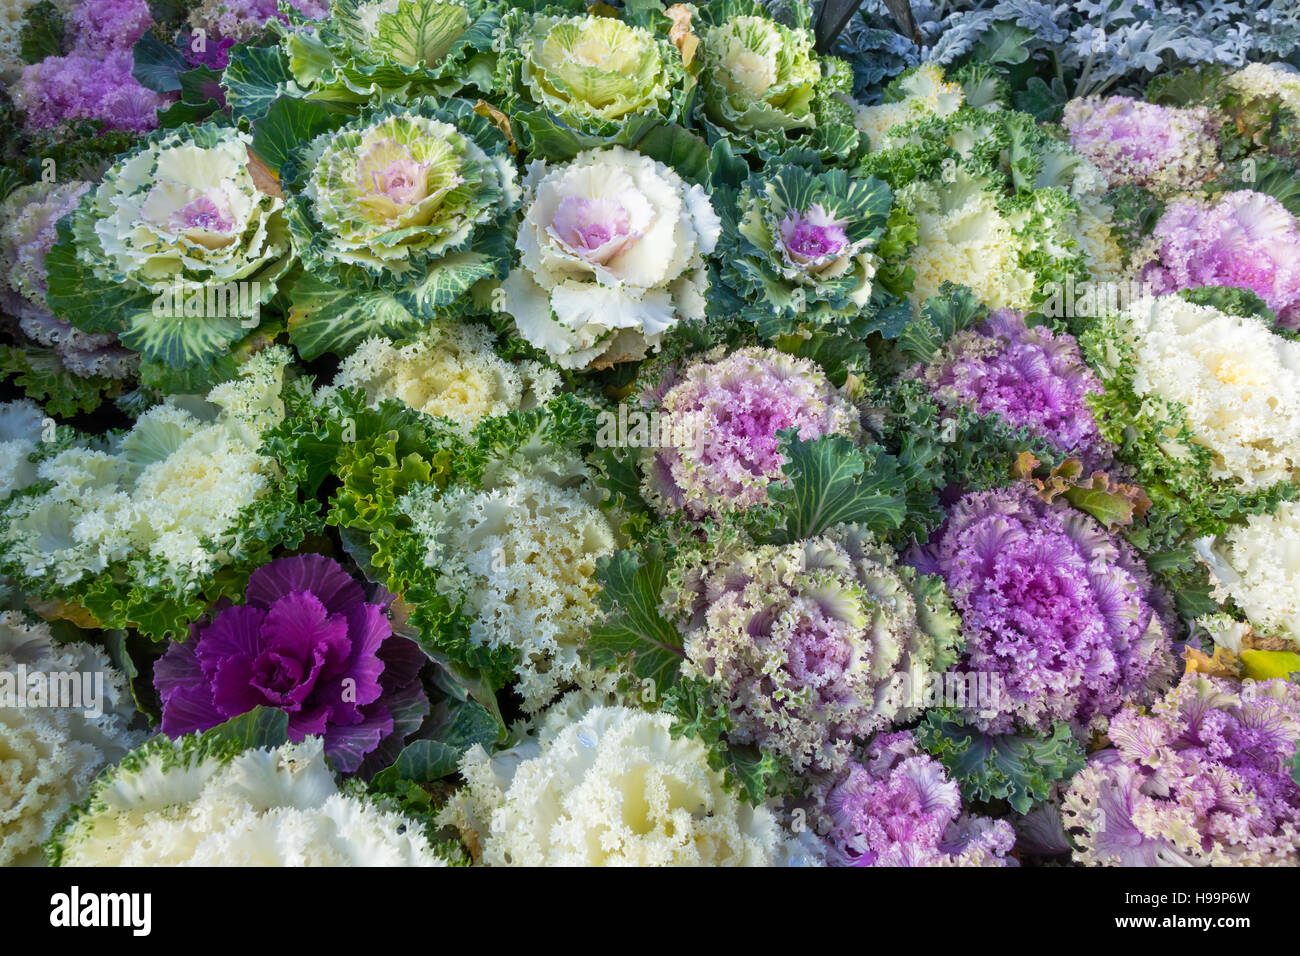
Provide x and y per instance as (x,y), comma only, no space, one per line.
(308,642)
(1059,610)
(1031,377)
(898,808)
(1244,239)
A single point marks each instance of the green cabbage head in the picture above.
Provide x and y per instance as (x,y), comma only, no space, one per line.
(384,49)
(591,72)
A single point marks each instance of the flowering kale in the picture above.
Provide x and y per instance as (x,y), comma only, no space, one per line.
(725,417)
(1030,377)
(1061,611)
(397,215)
(367,50)
(898,808)
(83,86)
(1161,148)
(799,246)
(1204,779)
(1244,239)
(810,644)
(307,642)
(763,86)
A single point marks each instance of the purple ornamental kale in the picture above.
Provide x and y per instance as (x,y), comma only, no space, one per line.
(1203,779)
(1030,377)
(309,643)
(898,808)
(729,414)
(1159,147)
(1244,239)
(1060,613)
(87,87)
(103,26)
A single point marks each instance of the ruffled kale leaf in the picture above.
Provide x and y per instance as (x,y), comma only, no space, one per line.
(1019,768)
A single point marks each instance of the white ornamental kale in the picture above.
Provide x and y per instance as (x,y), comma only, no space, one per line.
(177,249)
(51,753)
(593,73)
(150,514)
(612,250)
(450,371)
(763,86)
(519,555)
(611,787)
(197,801)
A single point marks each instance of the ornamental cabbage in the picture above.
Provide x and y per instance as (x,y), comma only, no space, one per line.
(725,417)
(1059,612)
(1260,570)
(1204,779)
(803,246)
(612,250)
(591,72)
(1243,239)
(814,645)
(366,50)
(51,753)
(919,93)
(27,231)
(450,372)
(519,555)
(176,250)
(611,788)
(1235,383)
(21,431)
(764,87)
(1029,376)
(897,807)
(145,518)
(200,802)
(1161,148)
(306,641)
(217,25)
(408,200)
